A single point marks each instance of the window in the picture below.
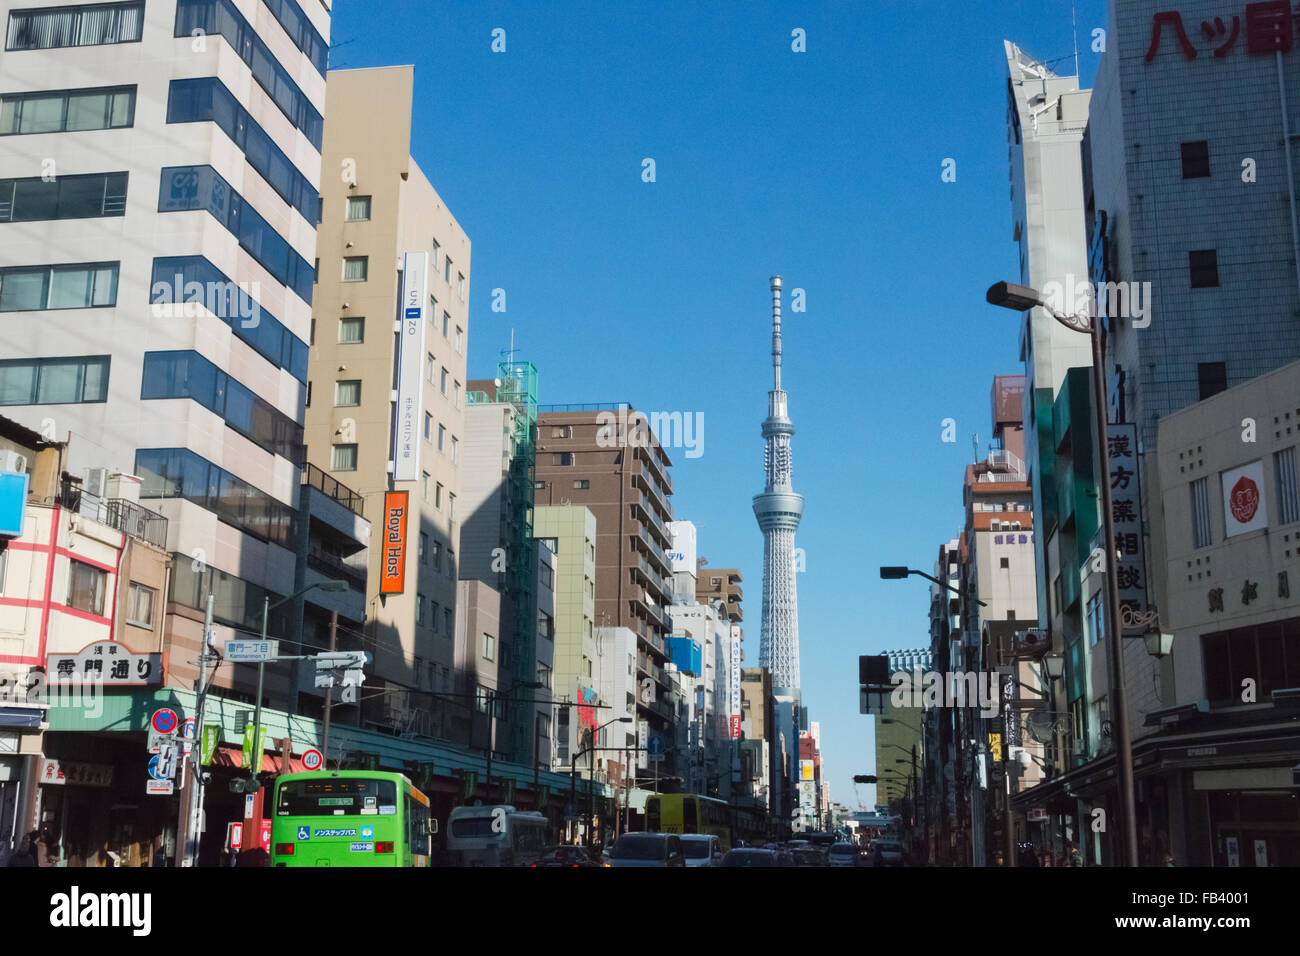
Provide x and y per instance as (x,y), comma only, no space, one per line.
(87,25)
(344,458)
(428,427)
(539,486)
(442,434)
(451,505)
(139,605)
(552,544)
(352,331)
(562,458)
(460,340)
(546,575)
(1200,513)
(437,555)
(191,188)
(428,367)
(66,111)
(434,622)
(482,696)
(446,320)
(222,18)
(451,563)
(358,209)
(347,393)
(489,647)
(443,385)
(424,548)
(424,486)
(184,279)
(456,399)
(301,32)
(1203,266)
(449,621)
(460,286)
(60,381)
(455,443)
(582,484)
(1005,563)
(1212,378)
(86,587)
(433,262)
(437,496)
(207,100)
(419,610)
(546,626)
(356,268)
(1196,160)
(561,431)
(544,675)
(94,196)
(1269,654)
(446,274)
(45,288)
(1288,489)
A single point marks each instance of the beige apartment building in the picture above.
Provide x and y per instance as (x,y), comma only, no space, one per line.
(377,208)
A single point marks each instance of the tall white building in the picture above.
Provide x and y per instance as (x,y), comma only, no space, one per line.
(159,191)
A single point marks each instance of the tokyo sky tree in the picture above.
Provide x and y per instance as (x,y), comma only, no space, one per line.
(778,510)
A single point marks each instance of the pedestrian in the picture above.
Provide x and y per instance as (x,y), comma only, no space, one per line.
(25,855)
(1169,860)
(47,847)
(1076,858)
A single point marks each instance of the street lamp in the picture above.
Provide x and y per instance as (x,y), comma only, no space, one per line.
(255,758)
(896,572)
(1021,298)
(591,780)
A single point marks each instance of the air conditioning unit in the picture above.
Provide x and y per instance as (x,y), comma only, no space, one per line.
(1030,644)
(96,481)
(11,461)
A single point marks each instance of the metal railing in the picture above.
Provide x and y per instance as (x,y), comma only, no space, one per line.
(128,517)
(333,488)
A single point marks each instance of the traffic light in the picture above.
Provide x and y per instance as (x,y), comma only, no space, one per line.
(864,778)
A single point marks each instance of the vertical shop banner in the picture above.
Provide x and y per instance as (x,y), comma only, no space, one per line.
(410,366)
(392,575)
(1126,510)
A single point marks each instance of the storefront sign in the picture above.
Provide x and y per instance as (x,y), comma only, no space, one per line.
(1243,499)
(410,369)
(734,709)
(1267,29)
(211,737)
(1126,511)
(76,773)
(105,664)
(392,577)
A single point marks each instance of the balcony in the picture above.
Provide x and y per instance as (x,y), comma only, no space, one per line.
(311,475)
(332,566)
(660,472)
(656,492)
(654,550)
(653,518)
(119,514)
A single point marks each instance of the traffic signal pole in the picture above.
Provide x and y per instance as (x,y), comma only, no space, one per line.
(188,854)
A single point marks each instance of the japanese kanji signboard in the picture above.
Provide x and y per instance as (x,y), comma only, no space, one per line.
(1126,510)
(1268,30)
(107,664)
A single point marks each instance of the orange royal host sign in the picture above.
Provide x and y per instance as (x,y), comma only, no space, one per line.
(392,578)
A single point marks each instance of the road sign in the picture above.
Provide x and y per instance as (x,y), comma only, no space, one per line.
(251,652)
(162,766)
(312,759)
(159,741)
(164,720)
(655,747)
(159,787)
(188,728)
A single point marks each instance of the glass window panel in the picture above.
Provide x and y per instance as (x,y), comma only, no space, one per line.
(8,115)
(95,384)
(104,286)
(17,382)
(35,200)
(347,393)
(70,288)
(81,197)
(23,289)
(87,111)
(42,114)
(60,382)
(352,330)
(121,110)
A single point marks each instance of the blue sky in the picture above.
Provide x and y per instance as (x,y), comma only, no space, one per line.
(823,167)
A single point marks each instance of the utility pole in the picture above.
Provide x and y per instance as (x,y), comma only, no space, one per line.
(189,853)
(329,692)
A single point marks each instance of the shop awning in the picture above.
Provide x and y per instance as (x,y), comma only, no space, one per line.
(230,756)
(28,718)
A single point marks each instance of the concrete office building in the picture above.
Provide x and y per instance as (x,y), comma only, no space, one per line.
(607,459)
(570,533)
(378,207)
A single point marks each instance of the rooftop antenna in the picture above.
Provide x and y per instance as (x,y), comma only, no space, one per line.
(1074,22)
(975,446)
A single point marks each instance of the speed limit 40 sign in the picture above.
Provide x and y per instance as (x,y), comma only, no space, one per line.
(312,760)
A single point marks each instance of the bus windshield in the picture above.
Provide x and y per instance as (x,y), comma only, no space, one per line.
(475,827)
(337,797)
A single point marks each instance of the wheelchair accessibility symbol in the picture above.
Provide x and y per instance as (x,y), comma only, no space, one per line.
(367,832)
(304,833)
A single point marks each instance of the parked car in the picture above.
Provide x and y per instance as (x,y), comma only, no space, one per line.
(750,856)
(844,854)
(702,849)
(784,857)
(647,849)
(566,855)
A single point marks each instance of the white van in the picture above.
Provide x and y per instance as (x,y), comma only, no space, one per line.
(495,836)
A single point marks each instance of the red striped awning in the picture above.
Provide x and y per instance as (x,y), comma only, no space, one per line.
(230,756)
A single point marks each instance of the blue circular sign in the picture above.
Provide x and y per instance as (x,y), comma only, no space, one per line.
(164,720)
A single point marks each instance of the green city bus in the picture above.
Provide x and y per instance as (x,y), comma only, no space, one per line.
(350,818)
